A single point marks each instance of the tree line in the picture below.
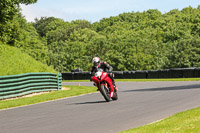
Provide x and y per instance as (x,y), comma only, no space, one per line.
(146,40)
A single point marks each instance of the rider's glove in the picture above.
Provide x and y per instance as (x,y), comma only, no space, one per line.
(109,72)
(91,79)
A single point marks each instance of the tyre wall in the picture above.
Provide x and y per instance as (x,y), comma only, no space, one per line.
(151,74)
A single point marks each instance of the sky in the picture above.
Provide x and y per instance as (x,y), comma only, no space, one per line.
(95,10)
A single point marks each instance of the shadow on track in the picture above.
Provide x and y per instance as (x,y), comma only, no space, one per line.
(195,86)
(95,102)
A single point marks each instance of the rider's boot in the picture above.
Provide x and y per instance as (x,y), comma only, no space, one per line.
(113,82)
(115,87)
(96,85)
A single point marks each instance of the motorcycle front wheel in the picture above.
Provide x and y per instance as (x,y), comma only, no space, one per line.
(105,93)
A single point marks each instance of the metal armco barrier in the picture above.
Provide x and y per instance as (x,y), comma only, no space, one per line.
(18,85)
(150,74)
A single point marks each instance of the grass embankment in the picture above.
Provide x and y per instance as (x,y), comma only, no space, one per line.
(13,61)
(73,91)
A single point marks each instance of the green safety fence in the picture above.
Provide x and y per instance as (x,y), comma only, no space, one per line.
(22,84)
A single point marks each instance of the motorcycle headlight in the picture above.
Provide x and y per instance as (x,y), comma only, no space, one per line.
(98,74)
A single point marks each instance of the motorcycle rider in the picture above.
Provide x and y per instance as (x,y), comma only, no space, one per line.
(103,65)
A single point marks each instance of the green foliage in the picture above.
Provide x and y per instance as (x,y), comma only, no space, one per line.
(41,25)
(130,41)
(8,10)
(15,31)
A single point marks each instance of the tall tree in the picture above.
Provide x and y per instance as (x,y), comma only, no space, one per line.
(8,10)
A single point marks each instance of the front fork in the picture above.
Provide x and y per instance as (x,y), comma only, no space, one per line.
(106,86)
(99,85)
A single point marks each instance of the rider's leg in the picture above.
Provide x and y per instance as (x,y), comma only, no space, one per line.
(112,78)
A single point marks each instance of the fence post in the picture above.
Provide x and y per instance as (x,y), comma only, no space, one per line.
(59,81)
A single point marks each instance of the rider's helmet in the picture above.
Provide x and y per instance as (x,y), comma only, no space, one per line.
(96,61)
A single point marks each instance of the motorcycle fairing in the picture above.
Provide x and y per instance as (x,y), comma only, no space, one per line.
(104,77)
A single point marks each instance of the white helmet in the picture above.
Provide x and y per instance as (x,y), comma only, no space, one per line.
(96,61)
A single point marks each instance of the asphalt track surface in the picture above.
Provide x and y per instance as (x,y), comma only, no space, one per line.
(139,103)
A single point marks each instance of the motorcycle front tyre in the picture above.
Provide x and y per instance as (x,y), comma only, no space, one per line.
(105,93)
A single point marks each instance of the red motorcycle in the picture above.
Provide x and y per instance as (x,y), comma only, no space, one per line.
(105,85)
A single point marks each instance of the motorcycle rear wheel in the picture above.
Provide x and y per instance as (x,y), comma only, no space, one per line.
(105,93)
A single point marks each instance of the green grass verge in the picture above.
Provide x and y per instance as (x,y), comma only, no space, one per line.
(184,122)
(74,91)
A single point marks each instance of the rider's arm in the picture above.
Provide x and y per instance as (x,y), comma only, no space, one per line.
(109,67)
(92,71)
